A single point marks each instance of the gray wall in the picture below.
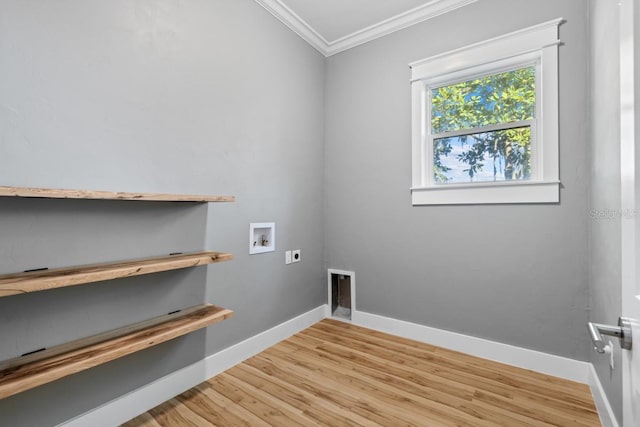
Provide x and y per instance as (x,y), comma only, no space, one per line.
(515,274)
(218,97)
(205,96)
(604,233)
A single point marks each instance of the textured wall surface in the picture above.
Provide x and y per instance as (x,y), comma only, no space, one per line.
(515,274)
(212,97)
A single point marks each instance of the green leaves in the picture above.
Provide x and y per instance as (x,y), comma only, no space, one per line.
(497,99)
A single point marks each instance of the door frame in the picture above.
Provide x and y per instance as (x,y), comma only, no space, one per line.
(630,196)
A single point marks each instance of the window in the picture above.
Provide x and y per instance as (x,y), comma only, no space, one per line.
(481,128)
(485,121)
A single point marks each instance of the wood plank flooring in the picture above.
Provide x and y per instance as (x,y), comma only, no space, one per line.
(337,374)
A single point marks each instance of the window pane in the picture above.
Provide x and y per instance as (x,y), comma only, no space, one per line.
(500,98)
(501,155)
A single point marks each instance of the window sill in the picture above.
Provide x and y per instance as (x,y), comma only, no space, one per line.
(487,193)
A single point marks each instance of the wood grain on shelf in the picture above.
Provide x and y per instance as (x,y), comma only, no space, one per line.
(33,281)
(27,372)
(52,193)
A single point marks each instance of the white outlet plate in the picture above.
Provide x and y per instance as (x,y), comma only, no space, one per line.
(296,255)
(287,257)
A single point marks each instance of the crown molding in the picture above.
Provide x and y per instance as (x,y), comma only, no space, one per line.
(403,20)
(295,23)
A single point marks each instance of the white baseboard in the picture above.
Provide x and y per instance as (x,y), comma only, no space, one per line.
(133,404)
(607,416)
(549,364)
(558,366)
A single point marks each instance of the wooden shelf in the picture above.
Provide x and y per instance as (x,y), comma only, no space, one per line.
(33,281)
(51,193)
(30,371)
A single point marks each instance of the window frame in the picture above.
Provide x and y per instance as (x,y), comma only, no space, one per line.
(537,45)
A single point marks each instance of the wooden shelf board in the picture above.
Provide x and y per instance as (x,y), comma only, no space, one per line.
(27,372)
(51,193)
(33,281)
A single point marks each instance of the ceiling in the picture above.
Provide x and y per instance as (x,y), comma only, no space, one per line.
(332,26)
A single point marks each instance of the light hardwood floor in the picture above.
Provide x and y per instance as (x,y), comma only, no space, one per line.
(337,374)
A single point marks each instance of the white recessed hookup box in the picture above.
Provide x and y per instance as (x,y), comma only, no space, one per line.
(262,237)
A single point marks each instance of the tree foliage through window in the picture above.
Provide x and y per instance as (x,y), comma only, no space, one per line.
(465,108)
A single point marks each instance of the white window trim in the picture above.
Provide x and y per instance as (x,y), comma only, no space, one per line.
(534,45)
